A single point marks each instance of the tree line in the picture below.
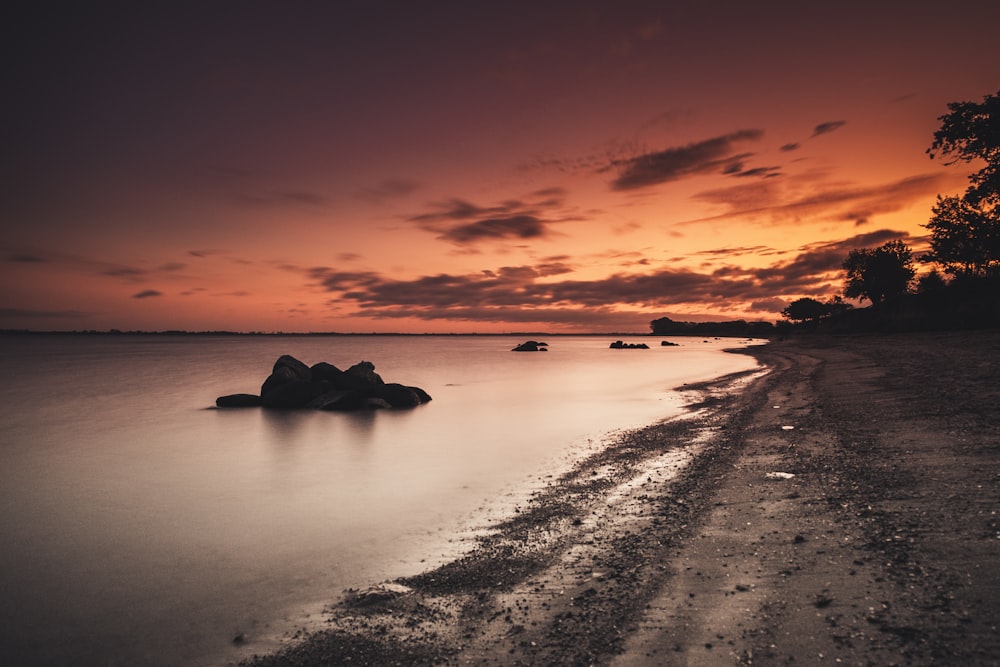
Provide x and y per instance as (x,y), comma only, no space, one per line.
(964,281)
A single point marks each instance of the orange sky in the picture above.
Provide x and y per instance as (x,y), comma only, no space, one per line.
(446,167)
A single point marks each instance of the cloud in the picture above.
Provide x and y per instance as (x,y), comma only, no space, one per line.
(714,155)
(857,204)
(769,305)
(828,127)
(27,313)
(390,188)
(789,147)
(817,260)
(546,292)
(518,226)
(145,294)
(173,266)
(464,223)
(127,272)
(26,258)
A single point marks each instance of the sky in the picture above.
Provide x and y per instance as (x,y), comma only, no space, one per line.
(458,167)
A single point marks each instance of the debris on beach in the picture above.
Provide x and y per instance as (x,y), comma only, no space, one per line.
(293,384)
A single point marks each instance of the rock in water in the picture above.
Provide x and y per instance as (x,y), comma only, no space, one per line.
(294,394)
(398,396)
(531,346)
(238,401)
(362,375)
(324,372)
(323,386)
(286,369)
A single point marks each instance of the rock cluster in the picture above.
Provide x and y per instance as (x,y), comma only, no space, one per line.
(619,345)
(323,386)
(531,346)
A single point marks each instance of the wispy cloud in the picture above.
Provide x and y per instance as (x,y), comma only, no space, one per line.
(464,223)
(25,258)
(146,294)
(715,155)
(828,127)
(127,272)
(390,188)
(533,292)
(30,313)
(858,204)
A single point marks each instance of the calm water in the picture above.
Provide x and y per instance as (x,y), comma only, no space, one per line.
(140,527)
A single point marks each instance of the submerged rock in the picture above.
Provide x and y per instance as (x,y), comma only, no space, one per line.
(323,386)
(238,401)
(620,345)
(531,346)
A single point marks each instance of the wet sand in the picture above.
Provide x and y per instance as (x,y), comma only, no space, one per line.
(840,507)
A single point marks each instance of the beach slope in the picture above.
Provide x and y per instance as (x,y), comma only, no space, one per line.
(838,506)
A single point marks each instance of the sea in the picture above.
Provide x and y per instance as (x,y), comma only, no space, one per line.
(140,525)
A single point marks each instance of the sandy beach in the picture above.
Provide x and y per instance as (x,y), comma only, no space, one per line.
(840,506)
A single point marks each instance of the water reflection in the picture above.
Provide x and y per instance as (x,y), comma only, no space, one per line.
(289,427)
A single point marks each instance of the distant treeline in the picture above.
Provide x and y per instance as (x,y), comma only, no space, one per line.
(962,304)
(665,326)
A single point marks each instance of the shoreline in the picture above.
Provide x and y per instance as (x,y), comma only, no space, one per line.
(677,544)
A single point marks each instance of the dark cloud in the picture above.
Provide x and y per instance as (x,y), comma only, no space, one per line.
(811,269)
(734,251)
(518,226)
(203,253)
(828,127)
(714,155)
(28,313)
(26,258)
(769,305)
(758,172)
(173,266)
(391,188)
(464,223)
(789,147)
(528,293)
(145,294)
(127,272)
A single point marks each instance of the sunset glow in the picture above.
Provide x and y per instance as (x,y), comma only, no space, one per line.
(451,167)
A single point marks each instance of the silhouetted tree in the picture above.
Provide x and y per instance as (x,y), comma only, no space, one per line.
(804,309)
(879,273)
(931,283)
(837,306)
(965,236)
(971,131)
(965,231)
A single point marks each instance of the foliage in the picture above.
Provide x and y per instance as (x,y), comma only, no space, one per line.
(665,326)
(804,309)
(931,283)
(879,273)
(965,238)
(968,132)
(965,231)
